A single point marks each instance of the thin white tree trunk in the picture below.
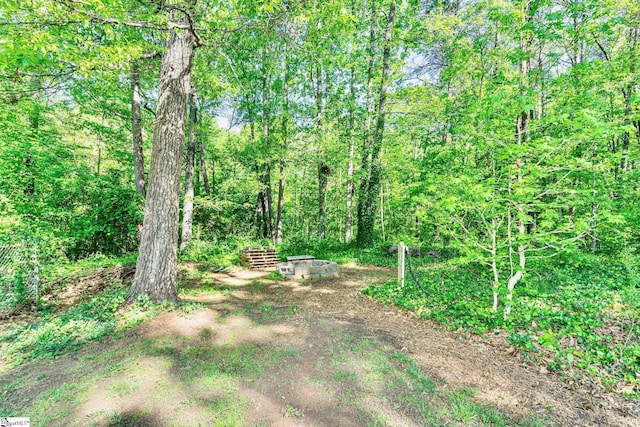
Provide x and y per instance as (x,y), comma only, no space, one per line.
(136,129)
(187,204)
(494,263)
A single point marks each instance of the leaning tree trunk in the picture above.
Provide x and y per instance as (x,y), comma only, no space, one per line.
(136,129)
(187,204)
(157,266)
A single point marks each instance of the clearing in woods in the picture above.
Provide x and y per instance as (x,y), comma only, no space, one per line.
(269,352)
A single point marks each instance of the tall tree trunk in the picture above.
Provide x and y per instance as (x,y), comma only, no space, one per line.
(157,266)
(367,203)
(266,176)
(283,146)
(348,222)
(136,129)
(187,204)
(323,169)
(367,144)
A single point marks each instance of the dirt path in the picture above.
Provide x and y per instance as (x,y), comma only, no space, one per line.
(498,377)
(286,353)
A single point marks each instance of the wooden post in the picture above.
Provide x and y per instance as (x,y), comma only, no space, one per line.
(401,251)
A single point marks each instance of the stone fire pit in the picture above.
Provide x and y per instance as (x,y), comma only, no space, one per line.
(306,267)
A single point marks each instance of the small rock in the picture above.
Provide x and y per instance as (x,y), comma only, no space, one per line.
(543,370)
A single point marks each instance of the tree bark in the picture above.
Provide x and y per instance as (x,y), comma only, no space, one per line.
(187,204)
(367,203)
(136,129)
(156,269)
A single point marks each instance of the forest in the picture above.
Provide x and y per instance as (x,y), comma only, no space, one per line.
(499,138)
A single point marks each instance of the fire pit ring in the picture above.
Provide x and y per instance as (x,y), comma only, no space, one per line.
(306,267)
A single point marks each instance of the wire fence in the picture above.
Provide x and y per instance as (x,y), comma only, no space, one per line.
(19,276)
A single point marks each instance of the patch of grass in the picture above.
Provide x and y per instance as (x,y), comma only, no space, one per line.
(123,387)
(202,286)
(347,376)
(227,411)
(131,419)
(289,411)
(187,307)
(416,393)
(246,360)
(350,397)
(266,312)
(52,405)
(420,382)
(361,367)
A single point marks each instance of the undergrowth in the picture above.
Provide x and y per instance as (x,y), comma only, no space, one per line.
(105,314)
(579,315)
(65,268)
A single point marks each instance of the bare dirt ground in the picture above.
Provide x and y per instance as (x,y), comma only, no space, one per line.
(308,353)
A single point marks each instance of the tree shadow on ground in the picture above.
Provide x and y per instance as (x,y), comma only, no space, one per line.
(133,419)
(249,357)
